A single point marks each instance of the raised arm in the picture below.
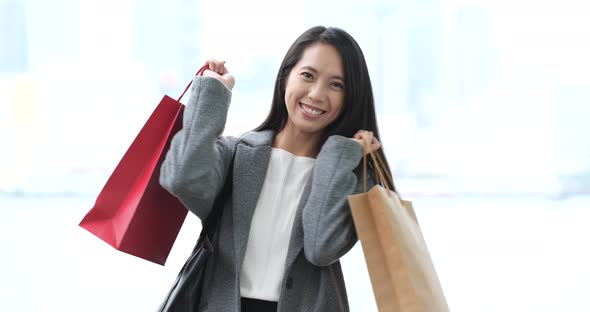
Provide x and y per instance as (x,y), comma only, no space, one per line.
(328,228)
(195,167)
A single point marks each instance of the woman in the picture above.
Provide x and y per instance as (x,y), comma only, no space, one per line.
(287,222)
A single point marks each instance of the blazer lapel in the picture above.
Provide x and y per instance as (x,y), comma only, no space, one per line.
(250,166)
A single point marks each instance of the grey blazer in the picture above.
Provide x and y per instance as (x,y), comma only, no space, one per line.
(194,170)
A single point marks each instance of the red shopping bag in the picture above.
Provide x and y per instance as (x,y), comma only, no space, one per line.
(133,213)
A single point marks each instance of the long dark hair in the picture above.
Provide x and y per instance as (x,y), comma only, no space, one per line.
(358,109)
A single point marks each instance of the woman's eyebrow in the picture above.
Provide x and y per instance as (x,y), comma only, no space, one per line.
(310,68)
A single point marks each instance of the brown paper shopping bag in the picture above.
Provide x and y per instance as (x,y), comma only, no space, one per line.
(400,268)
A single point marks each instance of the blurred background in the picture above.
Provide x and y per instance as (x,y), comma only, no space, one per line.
(482,107)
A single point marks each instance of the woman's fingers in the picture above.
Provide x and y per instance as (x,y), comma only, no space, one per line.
(367,136)
(367,141)
(218,71)
(216,66)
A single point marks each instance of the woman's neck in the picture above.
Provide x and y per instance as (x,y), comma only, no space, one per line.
(297,143)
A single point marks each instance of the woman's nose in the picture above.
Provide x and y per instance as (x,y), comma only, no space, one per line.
(317,92)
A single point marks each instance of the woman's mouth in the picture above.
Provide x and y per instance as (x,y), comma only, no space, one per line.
(310,111)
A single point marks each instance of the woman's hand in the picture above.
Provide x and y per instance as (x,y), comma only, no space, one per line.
(218,71)
(367,141)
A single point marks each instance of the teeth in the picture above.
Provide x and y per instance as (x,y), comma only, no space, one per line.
(310,110)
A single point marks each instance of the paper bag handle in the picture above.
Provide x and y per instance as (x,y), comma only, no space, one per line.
(199,73)
(379,166)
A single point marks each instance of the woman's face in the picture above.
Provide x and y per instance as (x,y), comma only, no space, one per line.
(314,93)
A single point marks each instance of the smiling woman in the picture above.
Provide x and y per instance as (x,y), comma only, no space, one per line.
(287,222)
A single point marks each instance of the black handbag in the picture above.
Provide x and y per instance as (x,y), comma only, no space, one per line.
(185,294)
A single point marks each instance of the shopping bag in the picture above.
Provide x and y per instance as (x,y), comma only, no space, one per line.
(133,213)
(400,268)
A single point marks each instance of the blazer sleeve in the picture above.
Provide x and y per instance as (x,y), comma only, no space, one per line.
(328,228)
(195,166)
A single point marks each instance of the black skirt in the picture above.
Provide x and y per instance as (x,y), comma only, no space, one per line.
(256,305)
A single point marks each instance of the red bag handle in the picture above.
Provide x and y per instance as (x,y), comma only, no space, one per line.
(199,73)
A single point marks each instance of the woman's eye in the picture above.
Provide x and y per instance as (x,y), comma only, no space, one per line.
(338,85)
(307,75)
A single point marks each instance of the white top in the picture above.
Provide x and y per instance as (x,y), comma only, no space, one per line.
(263,269)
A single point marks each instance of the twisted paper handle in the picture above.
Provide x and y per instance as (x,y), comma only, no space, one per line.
(199,73)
